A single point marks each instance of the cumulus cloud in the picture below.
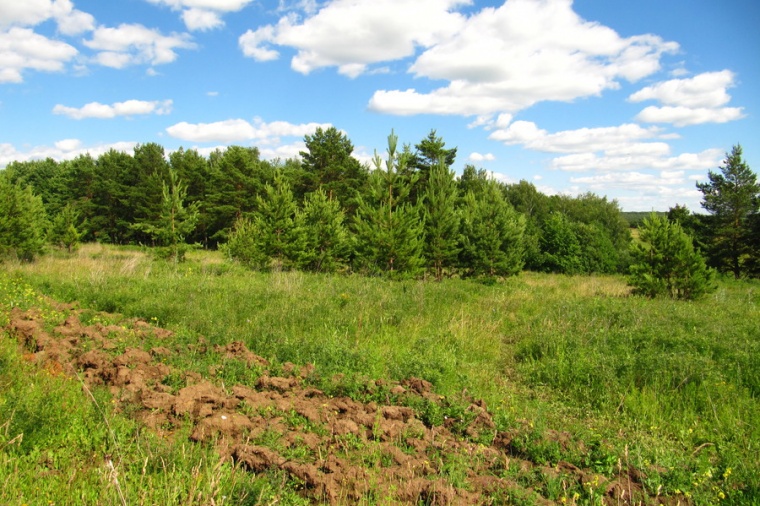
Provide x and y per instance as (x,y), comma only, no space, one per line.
(238,130)
(691,101)
(352,35)
(626,147)
(22,49)
(65,149)
(32,12)
(105,111)
(203,14)
(133,44)
(478,157)
(705,90)
(685,116)
(508,58)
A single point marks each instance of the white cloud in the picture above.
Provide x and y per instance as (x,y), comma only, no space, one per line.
(706,90)
(649,191)
(588,161)
(685,116)
(133,44)
(478,157)
(32,12)
(508,58)
(200,19)
(624,148)
(203,14)
(615,140)
(237,130)
(21,49)
(352,35)
(692,101)
(65,149)
(126,108)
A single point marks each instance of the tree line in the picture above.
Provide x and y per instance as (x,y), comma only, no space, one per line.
(406,214)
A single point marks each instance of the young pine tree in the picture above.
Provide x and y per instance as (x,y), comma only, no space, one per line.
(327,241)
(666,263)
(175,221)
(388,227)
(441,220)
(63,230)
(22,222)
(279,225)
(492,234)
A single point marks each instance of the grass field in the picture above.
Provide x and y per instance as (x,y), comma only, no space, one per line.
(669,388)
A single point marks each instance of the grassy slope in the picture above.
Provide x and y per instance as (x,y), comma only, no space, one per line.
(668,387)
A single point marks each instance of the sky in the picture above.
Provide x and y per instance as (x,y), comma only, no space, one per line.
(632,100)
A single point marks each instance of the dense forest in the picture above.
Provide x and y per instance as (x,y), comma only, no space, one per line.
(405,215)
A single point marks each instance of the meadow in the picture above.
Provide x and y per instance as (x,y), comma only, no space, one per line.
(669,388)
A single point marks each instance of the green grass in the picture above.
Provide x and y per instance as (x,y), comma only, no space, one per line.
(670,388)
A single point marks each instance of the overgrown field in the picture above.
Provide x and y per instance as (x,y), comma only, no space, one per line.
(575,370)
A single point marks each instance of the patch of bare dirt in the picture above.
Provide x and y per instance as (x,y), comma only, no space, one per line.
(342,451)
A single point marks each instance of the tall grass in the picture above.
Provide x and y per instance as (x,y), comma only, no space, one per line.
(669,387)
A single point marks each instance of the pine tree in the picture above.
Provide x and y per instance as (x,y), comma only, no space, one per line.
(22,222)
(666,263)
(279,225)
(441,220)
(492,234)
(732,197)
(327,239)
(175,222)
(388,227)
(63,230)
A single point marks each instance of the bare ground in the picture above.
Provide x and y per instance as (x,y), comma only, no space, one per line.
(339,450)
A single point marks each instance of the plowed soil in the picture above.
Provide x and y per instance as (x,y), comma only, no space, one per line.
(341,451)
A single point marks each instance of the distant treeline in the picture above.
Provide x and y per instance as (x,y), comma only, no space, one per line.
(406,214)
(635,218)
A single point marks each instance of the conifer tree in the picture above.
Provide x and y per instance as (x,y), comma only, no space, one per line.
(388,227)
(279,225)
(327,239)
(492,234)
(666,263)
(441,220)
(63,230)
(175,222)
(22,222)
(732,197)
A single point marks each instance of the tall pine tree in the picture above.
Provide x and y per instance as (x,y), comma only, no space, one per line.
(732,197)
(441,220)
(388,227)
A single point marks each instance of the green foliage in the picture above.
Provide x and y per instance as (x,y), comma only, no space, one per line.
(175,222)
(732,197)
(23,222)
(327,238)
(244,246)
(274,238)
(441,220)
(63,229)
(329,165)
(492,234)
(388,227)
(666,263)
(560,247)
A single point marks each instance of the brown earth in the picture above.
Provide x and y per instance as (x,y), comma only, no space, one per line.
(340,450)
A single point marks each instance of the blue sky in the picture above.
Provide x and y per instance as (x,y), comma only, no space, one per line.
(634,100)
